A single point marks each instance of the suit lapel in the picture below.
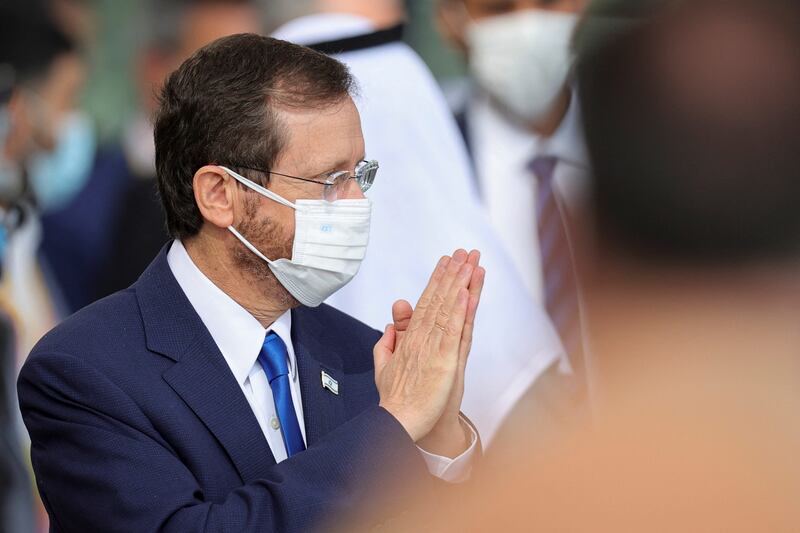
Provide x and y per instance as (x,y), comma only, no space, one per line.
(209,388)
(200,375)
(322,409)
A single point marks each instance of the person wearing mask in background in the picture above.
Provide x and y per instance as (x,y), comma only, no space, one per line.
(425,204)
(522,125)
(38,74)
(218,393)
(50,145)
(67,170)
(57,150)
(104,239)
(139,229)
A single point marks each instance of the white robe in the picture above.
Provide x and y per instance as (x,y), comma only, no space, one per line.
(425,206)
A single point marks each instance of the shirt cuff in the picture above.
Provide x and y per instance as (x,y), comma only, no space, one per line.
(455,470)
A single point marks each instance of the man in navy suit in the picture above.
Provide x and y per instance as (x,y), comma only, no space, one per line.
(216,393)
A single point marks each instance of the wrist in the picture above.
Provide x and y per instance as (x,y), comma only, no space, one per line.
(448,438)
(404,419)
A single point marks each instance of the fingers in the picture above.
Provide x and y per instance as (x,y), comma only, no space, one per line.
(430,311)
(382,352)
(425,299)
(446,313)
(451,338)
(475,290)
(474,258)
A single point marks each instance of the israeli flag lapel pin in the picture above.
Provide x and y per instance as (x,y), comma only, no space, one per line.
(329,383)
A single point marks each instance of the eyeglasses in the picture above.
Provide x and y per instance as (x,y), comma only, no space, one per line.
(336,182)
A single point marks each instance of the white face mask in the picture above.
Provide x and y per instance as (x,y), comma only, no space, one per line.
(330,241)
(522,59)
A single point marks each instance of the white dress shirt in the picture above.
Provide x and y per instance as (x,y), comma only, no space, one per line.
(239,337)
(502,151)
(425,206)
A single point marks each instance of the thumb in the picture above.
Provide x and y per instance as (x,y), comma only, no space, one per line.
(384,348)
(401,315)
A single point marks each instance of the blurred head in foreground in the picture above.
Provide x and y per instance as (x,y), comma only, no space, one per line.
(693,125)
(691,272)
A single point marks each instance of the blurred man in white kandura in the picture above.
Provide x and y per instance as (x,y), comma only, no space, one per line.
(426,205)
(523,128)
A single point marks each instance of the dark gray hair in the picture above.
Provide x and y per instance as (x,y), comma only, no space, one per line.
(220,107)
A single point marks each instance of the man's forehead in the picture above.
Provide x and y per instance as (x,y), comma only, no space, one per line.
(308,123)
(326,137)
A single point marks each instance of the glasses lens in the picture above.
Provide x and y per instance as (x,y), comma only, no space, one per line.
(365,174)
(337,187)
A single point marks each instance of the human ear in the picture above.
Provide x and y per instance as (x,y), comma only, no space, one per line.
(214,192)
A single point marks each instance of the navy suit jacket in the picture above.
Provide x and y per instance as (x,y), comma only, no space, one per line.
(137,423)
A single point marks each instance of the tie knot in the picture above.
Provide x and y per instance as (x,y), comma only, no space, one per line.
(543,167)
(274,357)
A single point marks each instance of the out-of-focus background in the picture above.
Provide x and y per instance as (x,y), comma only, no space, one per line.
(628,169)
(116,29)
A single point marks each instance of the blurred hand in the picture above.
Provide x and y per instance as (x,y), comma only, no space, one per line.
(421,359)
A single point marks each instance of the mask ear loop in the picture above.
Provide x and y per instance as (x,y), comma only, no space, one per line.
(247,243)
(258,188)
(263,191)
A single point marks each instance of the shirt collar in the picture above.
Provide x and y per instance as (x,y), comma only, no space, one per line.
(567,142)
(237,333)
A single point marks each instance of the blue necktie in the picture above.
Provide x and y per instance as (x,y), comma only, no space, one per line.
(274,360)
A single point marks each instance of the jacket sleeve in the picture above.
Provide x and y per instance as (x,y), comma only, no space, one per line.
(97,469)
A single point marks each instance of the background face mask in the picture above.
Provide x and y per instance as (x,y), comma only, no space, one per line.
(522,59)
(330,242)
(56,177)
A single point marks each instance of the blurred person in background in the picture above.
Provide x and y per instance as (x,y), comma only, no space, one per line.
(40,73)
(69,168)
(518,104)
(522,125)
(104,239)
(426,204)
(56,142)
(691,255)
(175,32)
